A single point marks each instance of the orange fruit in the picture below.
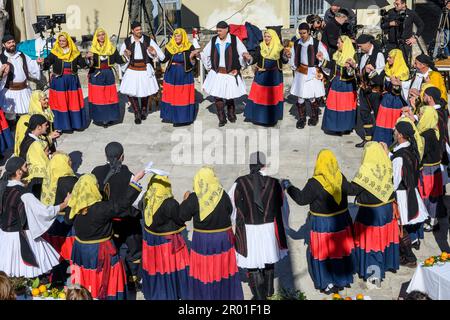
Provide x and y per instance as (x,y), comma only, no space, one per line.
(432,260)
(348,298)
(42,288)
(360,297)
(444,256)
(35,292)
(337,296)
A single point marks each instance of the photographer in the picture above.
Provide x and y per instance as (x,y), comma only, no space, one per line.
(316,25)
(398,25)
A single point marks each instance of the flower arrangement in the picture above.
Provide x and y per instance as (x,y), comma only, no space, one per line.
(431,261)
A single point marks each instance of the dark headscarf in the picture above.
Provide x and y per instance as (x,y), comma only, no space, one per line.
(407,131)
(423,58)
(435,93)
(257,162)
(114,152)
(35,121)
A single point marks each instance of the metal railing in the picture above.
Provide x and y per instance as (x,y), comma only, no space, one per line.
(300,9)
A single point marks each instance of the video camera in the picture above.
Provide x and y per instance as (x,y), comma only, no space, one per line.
(47,22)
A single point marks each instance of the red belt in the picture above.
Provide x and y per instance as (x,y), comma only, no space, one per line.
(104,66)
(67,71)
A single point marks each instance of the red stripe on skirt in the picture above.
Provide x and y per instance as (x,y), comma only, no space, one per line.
(341,101)
(64,101)
(3,122)
(103,95)
(182,95)
(161,259)
(431,185)
(208,269)
(267,96)
(334,245)
(63,245)
(375,238)
(387,117)
(92,280)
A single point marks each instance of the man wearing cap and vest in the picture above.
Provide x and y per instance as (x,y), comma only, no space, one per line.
(139,80)
(307,84)
(371,66)
(16,68)
(427,74)
(224,57)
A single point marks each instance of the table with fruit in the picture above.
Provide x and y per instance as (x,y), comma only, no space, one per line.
(40,291)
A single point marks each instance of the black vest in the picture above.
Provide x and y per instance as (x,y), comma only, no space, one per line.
(130,46)
(4,60)
(312,52)
(231,55)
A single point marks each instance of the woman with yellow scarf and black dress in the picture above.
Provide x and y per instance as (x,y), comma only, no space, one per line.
(396,75)
(178,99)
(266,98)
(213,270)
(430,183)
(376,228)
(38,105)
(103,96)
(165,256)
(66,96)
(340,112)
(95,263)
(331,251)
(59,180)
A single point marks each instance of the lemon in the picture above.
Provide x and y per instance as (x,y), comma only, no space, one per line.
(62,296)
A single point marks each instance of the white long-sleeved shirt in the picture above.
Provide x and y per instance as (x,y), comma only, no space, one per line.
(222,46)
(304,47)
(380,62)
(138,52)
(34,71)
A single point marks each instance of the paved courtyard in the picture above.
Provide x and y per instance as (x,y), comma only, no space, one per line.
(295,151)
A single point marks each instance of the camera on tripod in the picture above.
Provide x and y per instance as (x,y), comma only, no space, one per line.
(47,22)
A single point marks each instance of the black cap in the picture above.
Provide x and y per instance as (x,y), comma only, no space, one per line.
(135,24)
(304,26)
(222,25)
(364,38)
(35,121)
(14,164)
(7,37)
(344,12)
(405,128)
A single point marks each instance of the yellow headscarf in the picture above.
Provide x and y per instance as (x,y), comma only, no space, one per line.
(36,106)
(185,45)
(399,69)
(58,167)
(347,52)
(419,139)
(328,174)
(21,130)
(71,54)
(428,120)
(273,50)
(107,49)
(375,172)
(37,160)
(159,189)
(209,191)
(85,194)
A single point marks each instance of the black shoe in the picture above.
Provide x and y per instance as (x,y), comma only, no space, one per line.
(408,264)
(301,124)
(361,144)
(428,228)
(416,245)
(222,123)
(143,117)
(312,123)
(137,121)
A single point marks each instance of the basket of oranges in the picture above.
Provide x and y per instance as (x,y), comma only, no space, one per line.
(337,296)
(437,260)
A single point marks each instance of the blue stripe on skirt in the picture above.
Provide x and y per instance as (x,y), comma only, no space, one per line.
(260,114)
(104,113)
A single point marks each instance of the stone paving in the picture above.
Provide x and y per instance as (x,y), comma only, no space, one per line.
(295,149)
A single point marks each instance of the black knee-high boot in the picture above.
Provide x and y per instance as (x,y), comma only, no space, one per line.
(256,283)
(135,105)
